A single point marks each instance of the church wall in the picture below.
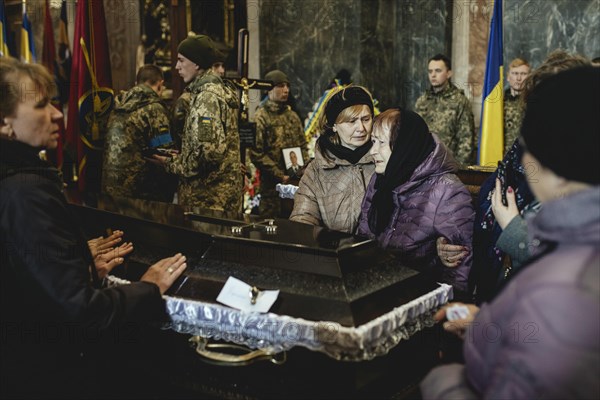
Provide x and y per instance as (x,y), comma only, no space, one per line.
(532,29)
(381,42)
(398,39)
(385,44)
(310,41)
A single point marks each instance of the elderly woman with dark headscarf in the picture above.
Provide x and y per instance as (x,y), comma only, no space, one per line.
(335,183)
(415,197)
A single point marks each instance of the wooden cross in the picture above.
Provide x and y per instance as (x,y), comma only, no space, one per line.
(247,129)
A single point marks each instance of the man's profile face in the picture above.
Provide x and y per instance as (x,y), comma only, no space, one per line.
(280,92)
(219,69)
(186,68)
(293,158)
(438,73)
(516,77)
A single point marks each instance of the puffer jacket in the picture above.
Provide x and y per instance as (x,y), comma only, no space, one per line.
(539,338)
(331,191)
(432,203)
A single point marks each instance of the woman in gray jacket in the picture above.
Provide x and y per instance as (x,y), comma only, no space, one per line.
(334,184)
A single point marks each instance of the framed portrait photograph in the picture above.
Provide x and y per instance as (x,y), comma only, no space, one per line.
(292,157)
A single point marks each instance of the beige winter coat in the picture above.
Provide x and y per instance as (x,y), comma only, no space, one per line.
(331,192)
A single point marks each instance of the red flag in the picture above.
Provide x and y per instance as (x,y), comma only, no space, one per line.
(64,55)
(91,97)
(49,61)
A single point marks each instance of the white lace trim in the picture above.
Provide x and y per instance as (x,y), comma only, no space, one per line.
(281,332)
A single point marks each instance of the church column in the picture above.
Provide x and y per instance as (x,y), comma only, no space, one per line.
(470,31)
(123,25)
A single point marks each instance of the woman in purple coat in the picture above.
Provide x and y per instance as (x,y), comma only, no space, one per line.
(415,197)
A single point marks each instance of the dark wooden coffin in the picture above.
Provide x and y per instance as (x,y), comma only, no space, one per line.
(322,276)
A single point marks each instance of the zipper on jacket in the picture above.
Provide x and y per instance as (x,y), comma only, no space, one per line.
(363,178)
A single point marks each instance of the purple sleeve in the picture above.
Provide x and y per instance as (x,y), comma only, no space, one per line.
(454,220)
(363,223)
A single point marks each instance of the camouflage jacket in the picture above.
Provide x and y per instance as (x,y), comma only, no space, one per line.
(179,112)
(138,122)
(277,128)
(448,113)
(209,163)
(513,115)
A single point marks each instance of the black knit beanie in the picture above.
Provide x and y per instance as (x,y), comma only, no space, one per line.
(199,49)
(350,96)
(561,127)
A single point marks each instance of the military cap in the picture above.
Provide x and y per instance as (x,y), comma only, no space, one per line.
(199,49)
(277,77)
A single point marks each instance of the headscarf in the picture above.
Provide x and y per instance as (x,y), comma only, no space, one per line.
(412,146)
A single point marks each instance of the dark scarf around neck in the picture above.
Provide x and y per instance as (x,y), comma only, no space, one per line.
(345,153)
(412,146)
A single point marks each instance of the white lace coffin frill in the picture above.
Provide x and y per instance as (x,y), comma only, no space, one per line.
(278,333)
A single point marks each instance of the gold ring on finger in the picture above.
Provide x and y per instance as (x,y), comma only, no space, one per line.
(170,270)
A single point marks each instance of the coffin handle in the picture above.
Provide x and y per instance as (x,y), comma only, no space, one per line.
(230,354)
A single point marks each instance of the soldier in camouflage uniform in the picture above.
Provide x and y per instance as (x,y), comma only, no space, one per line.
(518,70)
(179,113)
(447,111)
(181,106)
(138,124)
(208,166)
(277,128)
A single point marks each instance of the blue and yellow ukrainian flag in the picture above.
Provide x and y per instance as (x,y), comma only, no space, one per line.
(27,45)
(3,38)
(491,136)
